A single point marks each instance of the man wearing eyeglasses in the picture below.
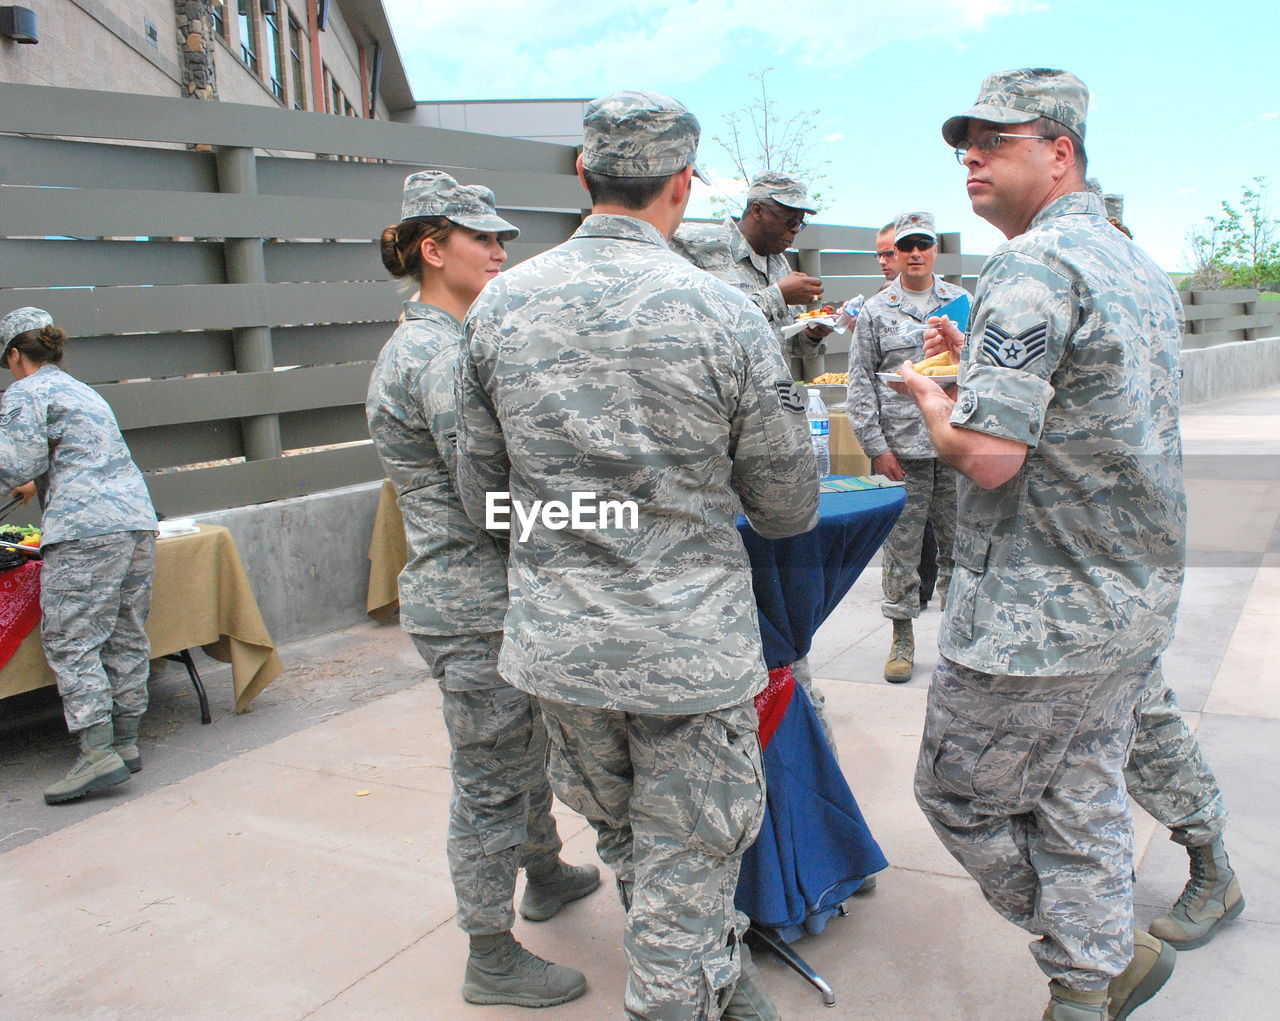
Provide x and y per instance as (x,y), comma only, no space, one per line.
(890,330)
(886,254)
(748,254)
(1069,552)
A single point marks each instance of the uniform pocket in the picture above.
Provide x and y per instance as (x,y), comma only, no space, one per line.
(729,805)
(969,553)
(997,748)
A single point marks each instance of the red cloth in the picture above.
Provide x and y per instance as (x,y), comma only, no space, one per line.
(772,703)
(19,606)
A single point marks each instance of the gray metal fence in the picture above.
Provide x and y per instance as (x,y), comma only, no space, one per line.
(215,266)
(1223,317)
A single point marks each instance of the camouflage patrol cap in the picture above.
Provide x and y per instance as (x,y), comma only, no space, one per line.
(639,134)
(782,189)
(19,321)
(1017,97)
(907,225)
(1114,205)
(435,193)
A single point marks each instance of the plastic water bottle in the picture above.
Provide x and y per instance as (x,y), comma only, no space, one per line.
(820,431)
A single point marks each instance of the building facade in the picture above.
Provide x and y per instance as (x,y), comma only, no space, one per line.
(330,56)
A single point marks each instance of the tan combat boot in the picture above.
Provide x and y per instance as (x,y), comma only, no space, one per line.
(126,741)
(1075,1004)
(549,891)
(1152,964)
(901,653)
(500,970)
(1212,896)
(97,767)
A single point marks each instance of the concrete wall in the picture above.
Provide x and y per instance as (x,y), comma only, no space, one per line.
(1225,370)
(307,558)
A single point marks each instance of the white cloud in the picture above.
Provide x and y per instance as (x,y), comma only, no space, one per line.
(1268,116)
(1187,191)
(837,137)
(544,49)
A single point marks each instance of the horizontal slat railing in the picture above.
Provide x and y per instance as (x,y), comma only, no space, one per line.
(218,270)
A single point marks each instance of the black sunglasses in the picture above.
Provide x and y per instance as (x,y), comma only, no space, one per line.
(914,244)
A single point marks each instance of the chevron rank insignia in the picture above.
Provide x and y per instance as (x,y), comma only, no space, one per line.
(792,397)
(1014,351)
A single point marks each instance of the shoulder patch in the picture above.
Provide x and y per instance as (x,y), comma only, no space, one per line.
(1014,351)
(792,397)
(9,416)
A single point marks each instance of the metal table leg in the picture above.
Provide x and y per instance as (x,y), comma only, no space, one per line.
(771,939)
(184,657)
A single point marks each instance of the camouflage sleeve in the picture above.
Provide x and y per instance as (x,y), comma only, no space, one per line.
(863,403)
(769,301)
(774,473)
(1023,321)
(482,465)
(435,390)
(24,439)
(804,346)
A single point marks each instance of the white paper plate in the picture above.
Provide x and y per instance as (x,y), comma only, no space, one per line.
(792,329)
(893,377)
(177,526)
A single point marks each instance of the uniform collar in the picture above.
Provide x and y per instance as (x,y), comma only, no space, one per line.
(741,248)
(430,313)
(1074,202)
(941,293)
(624,228)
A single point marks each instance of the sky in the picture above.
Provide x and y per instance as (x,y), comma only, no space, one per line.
(1185,107)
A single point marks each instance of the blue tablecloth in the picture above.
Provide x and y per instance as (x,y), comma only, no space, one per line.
(814,848)
(800,580)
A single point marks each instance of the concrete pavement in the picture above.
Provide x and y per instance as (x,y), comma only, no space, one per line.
(289,864)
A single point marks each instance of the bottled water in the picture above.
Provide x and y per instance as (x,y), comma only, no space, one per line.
(820,431)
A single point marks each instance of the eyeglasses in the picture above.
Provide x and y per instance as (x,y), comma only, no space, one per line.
(795,223)
(914,244)
(988,144)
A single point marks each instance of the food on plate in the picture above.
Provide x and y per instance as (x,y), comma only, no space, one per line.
(832,379)
(826,310)
(941,364)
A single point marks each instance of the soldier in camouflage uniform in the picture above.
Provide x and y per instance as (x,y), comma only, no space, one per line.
(890,330)
(1069,548)
(610,368)
(98,544)
(453,594)
(748,254)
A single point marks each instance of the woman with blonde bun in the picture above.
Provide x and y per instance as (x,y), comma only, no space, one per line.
(453,598)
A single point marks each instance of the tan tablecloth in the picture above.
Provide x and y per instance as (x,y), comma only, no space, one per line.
(388,553)
(201,596)
(847,457)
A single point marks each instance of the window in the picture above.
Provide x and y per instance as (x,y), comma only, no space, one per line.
(275,56)
(296,48)
(219,22)
(249,40)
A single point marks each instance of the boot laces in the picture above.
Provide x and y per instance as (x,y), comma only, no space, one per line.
(1199,883)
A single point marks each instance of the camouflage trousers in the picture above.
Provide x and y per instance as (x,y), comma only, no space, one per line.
(95,594)
(675,801)
(1167,774)
(931,497)
(500,810)
(1022,780)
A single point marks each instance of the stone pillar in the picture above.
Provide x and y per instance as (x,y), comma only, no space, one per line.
(195,41)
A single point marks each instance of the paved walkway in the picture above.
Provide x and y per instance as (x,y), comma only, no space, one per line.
(289,864)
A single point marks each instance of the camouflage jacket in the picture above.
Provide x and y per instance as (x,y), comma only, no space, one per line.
(889,331)
(59,433)
(722,251)
(1074,566)
(610,368)
(455,581)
